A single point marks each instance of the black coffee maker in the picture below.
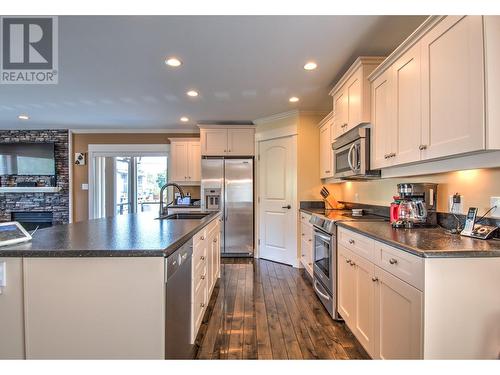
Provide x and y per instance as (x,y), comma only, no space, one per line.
(417,207)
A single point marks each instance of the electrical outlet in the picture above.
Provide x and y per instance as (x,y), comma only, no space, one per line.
(495,201)
(356,197)
(458,207)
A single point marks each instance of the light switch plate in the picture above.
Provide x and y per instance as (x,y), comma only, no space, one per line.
(85,186)
(458,207)
(495,201)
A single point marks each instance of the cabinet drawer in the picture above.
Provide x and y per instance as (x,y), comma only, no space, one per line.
(407,267)
(199,277)
(200,258)
(357,243)
(198,309)
(199,238)
(306,233)
(304,218)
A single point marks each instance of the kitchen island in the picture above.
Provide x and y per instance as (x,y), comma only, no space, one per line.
(97,289)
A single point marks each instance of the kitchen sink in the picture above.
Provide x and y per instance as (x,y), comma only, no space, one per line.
(185,216)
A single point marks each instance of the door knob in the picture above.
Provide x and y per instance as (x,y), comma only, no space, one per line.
(287,207)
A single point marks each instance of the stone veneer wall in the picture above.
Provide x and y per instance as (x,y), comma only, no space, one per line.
(58,203)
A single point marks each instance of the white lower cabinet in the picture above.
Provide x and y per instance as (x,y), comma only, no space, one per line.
(205,272)
(306,242)
(398,314)
(384,312)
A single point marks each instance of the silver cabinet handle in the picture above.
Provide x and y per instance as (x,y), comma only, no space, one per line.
(215,240)
(374,279)
(202,304)
(353,264)
(202,238)
(203,277)
(422,147)
(391,155)
(386,156)
(351,242)
(202,257)
(348,261)
(393,261)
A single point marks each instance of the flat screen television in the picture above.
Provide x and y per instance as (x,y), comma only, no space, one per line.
(27,159)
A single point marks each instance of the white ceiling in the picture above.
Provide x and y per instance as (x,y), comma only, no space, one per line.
(112,72)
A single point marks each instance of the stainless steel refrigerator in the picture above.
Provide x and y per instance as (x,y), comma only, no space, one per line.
(227,186)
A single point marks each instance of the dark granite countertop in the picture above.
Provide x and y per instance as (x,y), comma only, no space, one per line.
(426,242)
(313,210)
(133,235)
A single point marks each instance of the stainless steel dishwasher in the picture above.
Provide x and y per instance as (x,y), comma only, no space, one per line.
(178,304)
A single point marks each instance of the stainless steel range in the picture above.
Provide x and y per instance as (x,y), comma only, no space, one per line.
(325,254)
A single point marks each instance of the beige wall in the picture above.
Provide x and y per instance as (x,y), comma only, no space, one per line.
(305,126)
(476,186)
(80,173)
(308,181)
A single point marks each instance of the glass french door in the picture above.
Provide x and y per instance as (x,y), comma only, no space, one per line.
(128,184)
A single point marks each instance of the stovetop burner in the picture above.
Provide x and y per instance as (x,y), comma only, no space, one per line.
(327,220)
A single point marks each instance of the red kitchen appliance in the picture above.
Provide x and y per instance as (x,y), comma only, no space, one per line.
(394,209)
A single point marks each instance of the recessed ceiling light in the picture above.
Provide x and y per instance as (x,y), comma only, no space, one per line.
(173,62)
(184,119)
(192,93)
(293,99)
(310,65)
(23,117)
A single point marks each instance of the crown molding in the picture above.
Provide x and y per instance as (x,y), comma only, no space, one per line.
(409,42)
(326,119)
(288,115)
(360,61)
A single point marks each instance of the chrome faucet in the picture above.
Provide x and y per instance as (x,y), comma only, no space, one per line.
(181,192)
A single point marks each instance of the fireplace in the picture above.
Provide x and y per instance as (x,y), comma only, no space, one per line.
(32,220)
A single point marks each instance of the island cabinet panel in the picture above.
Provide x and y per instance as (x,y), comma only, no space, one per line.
(94,308)
(205,272)
(11,309)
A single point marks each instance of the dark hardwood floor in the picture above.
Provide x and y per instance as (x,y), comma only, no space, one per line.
(266,310)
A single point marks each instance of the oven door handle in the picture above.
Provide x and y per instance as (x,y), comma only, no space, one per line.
(325,296)
(322,236)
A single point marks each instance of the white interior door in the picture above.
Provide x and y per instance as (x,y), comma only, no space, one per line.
(278,211)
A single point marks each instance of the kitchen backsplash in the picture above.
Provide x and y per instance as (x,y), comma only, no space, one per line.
(476,186)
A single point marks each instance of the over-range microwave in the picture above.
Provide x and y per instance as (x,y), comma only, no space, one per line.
(352,155)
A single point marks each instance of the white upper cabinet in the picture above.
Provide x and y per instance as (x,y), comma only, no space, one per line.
(351,95)
(325,147)
(428,96)
(382,121)
(222,140)
(492,64)
(185,160)
(340,102)
(241,141)
(213,141)
(406,129)
(453,87)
